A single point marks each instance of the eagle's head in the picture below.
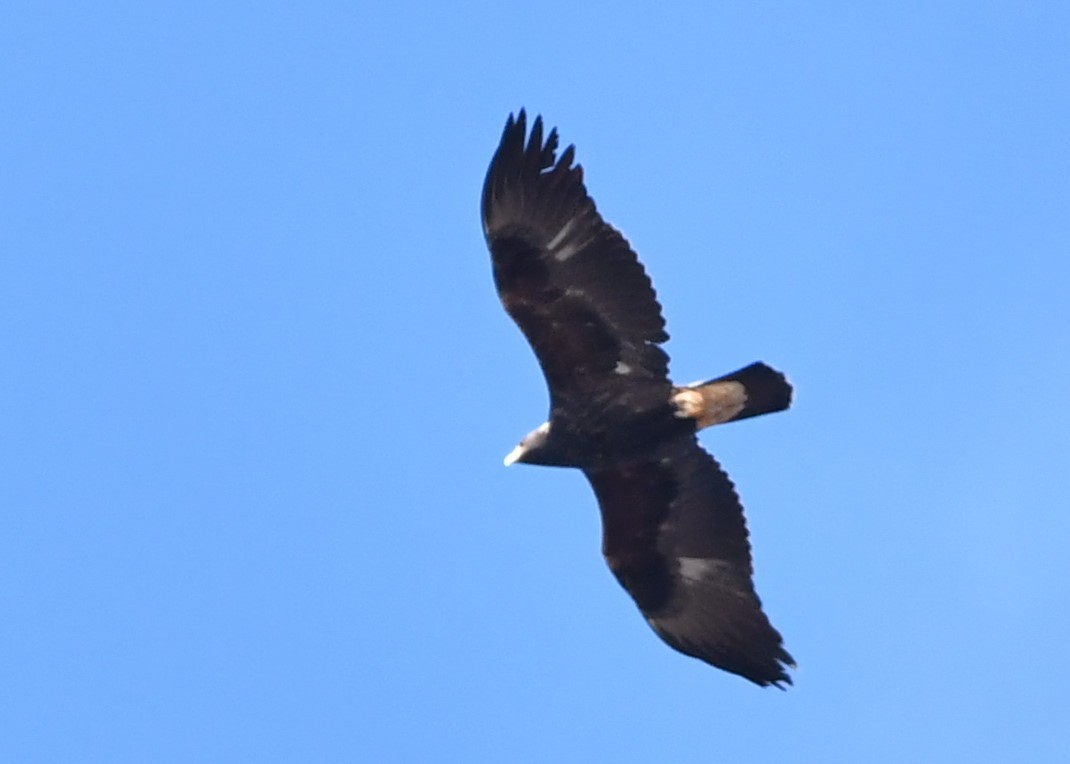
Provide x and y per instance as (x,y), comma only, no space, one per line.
(530,448)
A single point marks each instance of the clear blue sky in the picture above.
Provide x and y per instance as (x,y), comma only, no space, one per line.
(257,386)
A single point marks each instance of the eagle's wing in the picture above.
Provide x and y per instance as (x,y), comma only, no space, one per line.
(568,279)
(675,538)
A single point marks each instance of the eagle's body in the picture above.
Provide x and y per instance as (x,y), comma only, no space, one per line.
(673,528)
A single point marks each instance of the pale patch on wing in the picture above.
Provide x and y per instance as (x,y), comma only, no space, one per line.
(695,568)
(559,245)
(622,368)
(566,252)
(560,235)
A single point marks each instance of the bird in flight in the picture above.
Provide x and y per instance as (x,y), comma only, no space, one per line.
(673,531)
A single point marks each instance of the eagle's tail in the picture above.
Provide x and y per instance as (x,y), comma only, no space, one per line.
(751,391)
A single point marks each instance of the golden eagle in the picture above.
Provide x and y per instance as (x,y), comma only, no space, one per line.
(673,529)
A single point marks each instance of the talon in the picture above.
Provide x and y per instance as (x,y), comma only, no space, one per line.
(688,403)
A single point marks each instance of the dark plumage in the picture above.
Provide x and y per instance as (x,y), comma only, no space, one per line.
(673,529)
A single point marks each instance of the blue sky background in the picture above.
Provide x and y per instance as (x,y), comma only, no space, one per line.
(256,383)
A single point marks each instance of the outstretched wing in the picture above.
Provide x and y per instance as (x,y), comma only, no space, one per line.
(675,538)
(568,279)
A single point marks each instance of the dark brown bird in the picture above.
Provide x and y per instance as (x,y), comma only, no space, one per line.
(673,529)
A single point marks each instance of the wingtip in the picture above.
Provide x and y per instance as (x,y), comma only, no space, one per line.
(784,680)
(780,679)
(515,128)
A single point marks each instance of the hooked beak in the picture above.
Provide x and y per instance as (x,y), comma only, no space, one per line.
(514,456)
